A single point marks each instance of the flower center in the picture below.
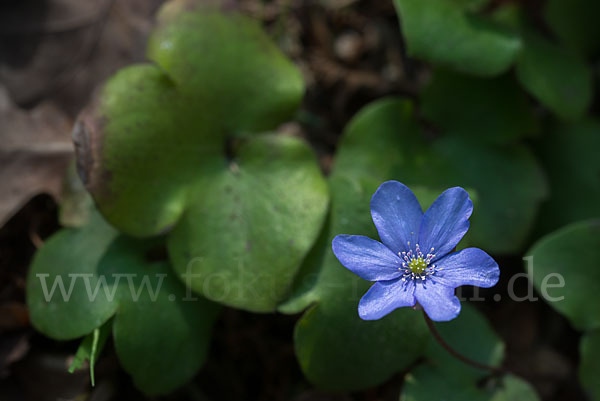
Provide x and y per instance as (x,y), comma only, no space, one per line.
(416,265)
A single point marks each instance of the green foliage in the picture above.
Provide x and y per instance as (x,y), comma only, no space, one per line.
(572,253)
(484,109)
(332,343)
(444,33)
(90,348)
(180,151)
(569,154)
(428,383)
(471,335)
(575,22)
(161,339)
(558,78)
(384,142)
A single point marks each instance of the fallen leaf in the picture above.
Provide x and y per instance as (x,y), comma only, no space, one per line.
(35,149)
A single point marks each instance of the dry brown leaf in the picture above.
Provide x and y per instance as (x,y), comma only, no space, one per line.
(35,149)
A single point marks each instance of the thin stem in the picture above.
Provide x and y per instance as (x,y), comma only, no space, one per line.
(436,334)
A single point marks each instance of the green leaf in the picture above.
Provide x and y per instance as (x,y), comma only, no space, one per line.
(90,348)
(174,146)
(564,270)
(232,257)
(465,106)
(59,305)
(429,383)
(510,186)
(589,350)
(161,338)
(557,78)
(442,32)
(513,388)
(471,335)
(569,155)
(576,23)
(228,68)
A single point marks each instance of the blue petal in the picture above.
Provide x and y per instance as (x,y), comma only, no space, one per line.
(471,266)
(385,296)
(438,300)
(397,215)
(369,259)
(445,222)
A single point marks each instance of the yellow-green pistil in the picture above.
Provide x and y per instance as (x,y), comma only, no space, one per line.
(416,265)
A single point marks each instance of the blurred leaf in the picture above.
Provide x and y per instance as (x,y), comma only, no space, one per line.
(34,153)
(576,23)
(109,274)
(569,153)
(514,388)
(589,350)
(494,110)
(441,32)
(570,255)
(70,251)
(429,383)
(172,146)
(557,78)
(510,187)
(90,348)
(483,347)
(508,182)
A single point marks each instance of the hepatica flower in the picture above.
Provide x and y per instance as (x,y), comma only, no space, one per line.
(414,263)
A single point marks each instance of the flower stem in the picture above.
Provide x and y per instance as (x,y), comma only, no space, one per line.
(438,337)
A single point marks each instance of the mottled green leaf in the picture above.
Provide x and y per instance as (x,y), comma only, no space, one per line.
(589,350)
(569,153)
(442,32)
(174,146)
(564,269)
(161,337)
(556,77)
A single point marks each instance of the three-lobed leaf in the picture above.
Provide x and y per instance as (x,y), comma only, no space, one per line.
(180,146)
(161,336)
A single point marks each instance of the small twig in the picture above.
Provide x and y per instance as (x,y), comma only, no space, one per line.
(436,334)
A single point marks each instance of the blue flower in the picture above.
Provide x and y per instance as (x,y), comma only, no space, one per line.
(413,262)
